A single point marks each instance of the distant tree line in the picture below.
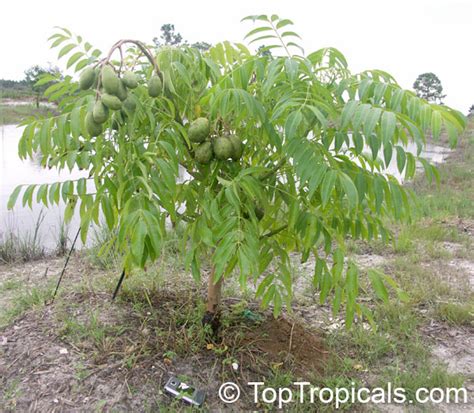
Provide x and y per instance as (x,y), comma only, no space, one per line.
(26,88)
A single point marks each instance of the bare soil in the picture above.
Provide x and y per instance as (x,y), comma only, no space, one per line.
(124,368)
(124,365)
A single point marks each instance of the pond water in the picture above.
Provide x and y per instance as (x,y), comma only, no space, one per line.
(22,220)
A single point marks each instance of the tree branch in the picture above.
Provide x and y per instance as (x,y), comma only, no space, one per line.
(274,232)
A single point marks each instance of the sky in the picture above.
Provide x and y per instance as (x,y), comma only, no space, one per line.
(403,37)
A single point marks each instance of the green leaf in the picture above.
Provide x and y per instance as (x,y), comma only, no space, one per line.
(138,239)
(328,186)
(13,197)
(42,194)
(377,284)
(262,287)
(289,33)
(389,124)
(28,196)
(108,212)
(283,23)
(292,123)
(66,49)
(372,120)
(350,189)
(436,121)
(348,112)
(268,296)
(401,158)
(257,30)
(73,59)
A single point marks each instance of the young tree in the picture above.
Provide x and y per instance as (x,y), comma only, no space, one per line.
(284,155)
(35,73)
(428,86)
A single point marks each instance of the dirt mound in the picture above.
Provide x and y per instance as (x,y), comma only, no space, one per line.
(288,342)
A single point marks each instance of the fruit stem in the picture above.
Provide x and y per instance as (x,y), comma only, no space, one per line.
(143,49)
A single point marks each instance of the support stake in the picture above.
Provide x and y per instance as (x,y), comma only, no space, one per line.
(65,264)
(120,281)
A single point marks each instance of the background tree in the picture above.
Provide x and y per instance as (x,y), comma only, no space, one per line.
(283,156)
(471,109)
(264,51)
(170,38)
(428,86)
(203,46)
(35,73)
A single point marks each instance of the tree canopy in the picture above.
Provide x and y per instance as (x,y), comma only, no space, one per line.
(428,86)
(316,141)
(37,72)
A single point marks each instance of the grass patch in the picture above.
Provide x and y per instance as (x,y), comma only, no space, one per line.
(27,247)
(414,277)
(456,313)
(13,114)
(395,353)
(26,299)
(10,285)
(424,375)
(455,196)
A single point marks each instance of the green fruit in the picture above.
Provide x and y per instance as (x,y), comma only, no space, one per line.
(87,78)
(100,113)
(155,86)
(199,130)
(223,148)
(110,80)
(203,153)
(97,77)
(111,101)
(130,79)
(129,104)
(122,91)
(238,147)
(93,128)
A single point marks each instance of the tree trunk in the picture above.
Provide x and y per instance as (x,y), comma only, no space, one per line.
(211,317)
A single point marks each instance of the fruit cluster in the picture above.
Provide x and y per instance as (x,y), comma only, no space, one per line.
(113,94)
(206,149)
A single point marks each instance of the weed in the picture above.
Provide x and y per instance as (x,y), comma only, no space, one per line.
(62,238)
(456,314)
(24,300)
(23,248)
(10,284)
(425,375)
